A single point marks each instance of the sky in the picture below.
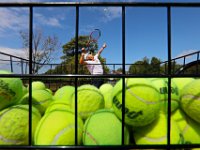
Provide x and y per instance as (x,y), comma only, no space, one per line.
(146,29)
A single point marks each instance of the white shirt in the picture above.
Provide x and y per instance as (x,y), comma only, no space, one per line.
(95,66)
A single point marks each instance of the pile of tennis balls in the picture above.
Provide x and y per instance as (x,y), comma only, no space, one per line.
(99,112)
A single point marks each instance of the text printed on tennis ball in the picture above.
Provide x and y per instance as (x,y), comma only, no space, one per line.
(130,114)
(174,90)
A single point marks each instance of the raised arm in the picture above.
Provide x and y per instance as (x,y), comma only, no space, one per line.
(81,60)
(101,49)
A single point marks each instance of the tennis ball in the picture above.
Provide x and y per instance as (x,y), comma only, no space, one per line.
(58,104)
(156,132)
(38,85)
(162,85)
(89,100)
(104,128)
(14,125)
(190,99)
(40,99)
(181,82)
(189,128)
(10,90)
(24,90)
(106,90)
(58,128)
(142,104)
(64,93)
(49,90)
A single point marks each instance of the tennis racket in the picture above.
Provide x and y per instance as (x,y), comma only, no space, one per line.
(93,38)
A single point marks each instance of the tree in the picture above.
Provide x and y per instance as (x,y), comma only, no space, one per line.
(140,67)
(69,47)
(148,66)
(43,48)
(174,67)
(155,65)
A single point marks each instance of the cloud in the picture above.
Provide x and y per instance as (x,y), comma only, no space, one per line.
(107,13)
(50,21)
(13,20)
(111,13)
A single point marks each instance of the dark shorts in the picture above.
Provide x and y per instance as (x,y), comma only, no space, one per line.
(97,82)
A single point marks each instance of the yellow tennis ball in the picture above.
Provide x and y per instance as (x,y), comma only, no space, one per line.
(189,128)
(106,89)
(38,85)
(10,90)
(40,99)
(25,90)
(49,90)
(162,85)
(58,105)
(156,132)
(104,128)
(14,124)
(190,99)
(142,103)
(58,128)
(182,82)
(89,100)
(64,93)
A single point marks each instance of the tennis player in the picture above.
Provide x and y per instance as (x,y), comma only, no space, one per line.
(93,64)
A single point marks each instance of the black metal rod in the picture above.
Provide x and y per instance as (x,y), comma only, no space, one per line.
(76,72)
(30,72)
(26,66)
(184,59)
(76,42)
(123,71)
(11,64)
(39,76)
(175,146)
(197,70)
(169,73)
(135,4)
(22,67)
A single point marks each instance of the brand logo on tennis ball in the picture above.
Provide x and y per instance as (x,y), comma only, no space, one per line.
(163,90)
(174,90)
(128,113)
(5,87)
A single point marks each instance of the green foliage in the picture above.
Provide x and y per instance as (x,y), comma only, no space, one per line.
(140,67)
(153,66)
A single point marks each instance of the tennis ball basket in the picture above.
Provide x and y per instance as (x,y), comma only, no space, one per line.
(128,110)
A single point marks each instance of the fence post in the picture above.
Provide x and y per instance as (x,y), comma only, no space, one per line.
(11,65)
(197,63)
(22,65)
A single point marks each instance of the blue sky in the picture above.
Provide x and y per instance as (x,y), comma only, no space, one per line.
(146,29)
